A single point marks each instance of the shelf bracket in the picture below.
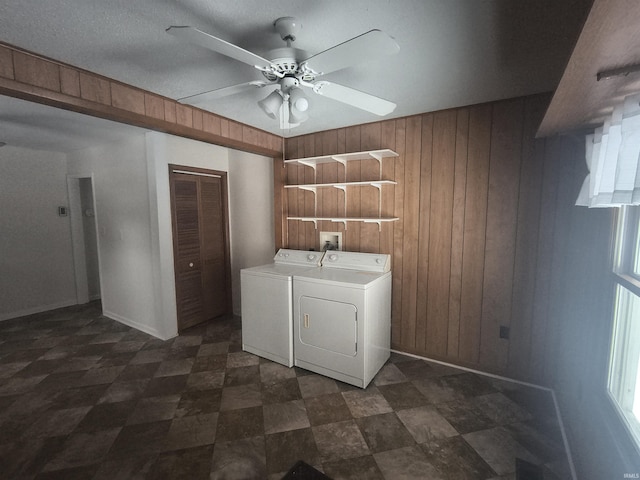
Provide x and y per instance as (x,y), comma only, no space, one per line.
(339,220)
(315,222)
(375,221)
(379,158)
(313,165)
(344,189)
(340,160)
(315,197)
(378,186)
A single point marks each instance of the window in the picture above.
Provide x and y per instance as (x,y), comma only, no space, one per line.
(624,369)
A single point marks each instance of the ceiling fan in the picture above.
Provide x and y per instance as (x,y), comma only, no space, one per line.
(289,69)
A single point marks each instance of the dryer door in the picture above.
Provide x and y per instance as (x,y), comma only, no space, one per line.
(329,325)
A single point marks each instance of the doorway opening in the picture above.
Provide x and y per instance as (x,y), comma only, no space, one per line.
(84,238)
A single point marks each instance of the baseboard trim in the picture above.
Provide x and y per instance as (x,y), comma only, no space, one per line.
(134,324)
(565,439)
(39,309)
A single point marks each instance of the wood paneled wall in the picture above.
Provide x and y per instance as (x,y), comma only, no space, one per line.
(478,201)
(39,79)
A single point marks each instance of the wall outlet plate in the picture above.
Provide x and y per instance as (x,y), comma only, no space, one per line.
(504,332)
(62,211)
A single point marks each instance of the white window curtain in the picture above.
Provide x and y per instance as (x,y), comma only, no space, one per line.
(613,158)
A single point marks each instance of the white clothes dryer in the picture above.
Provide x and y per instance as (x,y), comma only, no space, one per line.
(342,316)
(267,304)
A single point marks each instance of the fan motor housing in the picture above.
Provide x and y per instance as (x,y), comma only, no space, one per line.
(286,62)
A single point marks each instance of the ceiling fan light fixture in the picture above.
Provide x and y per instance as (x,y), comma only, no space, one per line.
(296,116)
(298,100)
(298,105)
(271,104)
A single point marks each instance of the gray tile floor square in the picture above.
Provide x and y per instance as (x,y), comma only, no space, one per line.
(82,396)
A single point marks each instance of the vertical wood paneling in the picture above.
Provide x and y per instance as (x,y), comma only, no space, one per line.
(398,236)
(307,229)
(424,214)
(442,182)
(388,139)
(370,170)
(526,239)
(502,216)
(457,230)
(560,154)
(411,227)
(480,238)
(479,147)
(293,194)
(351,238)
(341,147)
(544,265)
(280,202)
(330,175)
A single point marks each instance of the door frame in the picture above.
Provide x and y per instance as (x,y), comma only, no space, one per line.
(225,211)
(78,246)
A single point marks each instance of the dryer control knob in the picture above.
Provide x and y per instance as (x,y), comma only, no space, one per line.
(333,257)
(378,260)
(311,257)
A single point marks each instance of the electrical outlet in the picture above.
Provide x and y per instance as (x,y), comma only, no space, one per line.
(504,332)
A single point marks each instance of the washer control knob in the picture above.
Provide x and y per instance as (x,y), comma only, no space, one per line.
(333,257)
(311,256)
(378,261)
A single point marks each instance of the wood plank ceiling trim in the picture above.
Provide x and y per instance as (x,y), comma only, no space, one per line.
(29,76)
(609,39)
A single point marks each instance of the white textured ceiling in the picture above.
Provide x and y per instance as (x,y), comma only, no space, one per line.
(452,52)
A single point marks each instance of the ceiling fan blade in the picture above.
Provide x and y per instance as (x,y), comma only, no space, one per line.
(355,98)
(368,46)
(205,97)
(198,37)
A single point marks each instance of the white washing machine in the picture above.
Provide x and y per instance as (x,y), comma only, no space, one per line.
(267,304)
(342,316)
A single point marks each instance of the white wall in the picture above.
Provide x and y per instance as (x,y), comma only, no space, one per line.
(124,230)
(250,185)
(36,261)
(251,212)
(162,150)
(133,216)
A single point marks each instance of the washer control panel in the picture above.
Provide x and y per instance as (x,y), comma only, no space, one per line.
(298,257)
(364,262)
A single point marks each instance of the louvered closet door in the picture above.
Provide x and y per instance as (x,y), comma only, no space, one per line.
(200,248)
(212,234)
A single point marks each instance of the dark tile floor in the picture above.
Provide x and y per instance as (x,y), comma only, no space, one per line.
(82,396)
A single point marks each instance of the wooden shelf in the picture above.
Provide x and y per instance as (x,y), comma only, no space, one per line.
(343,158)
(341,185)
